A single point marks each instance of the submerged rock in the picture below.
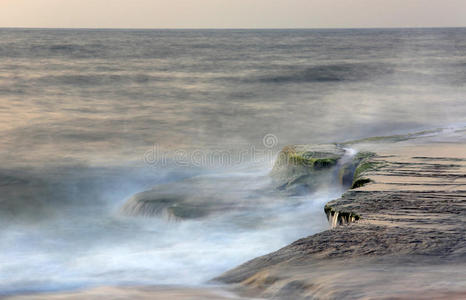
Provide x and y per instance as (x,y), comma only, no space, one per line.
(200,197)
(179,200)
(298,169)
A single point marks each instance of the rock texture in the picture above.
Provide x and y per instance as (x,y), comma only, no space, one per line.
(302,168)
(399,231)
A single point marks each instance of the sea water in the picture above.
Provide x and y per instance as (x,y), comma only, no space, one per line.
(88,118)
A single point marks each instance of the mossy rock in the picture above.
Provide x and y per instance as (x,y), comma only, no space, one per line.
(366,164)
(319,156)
(315,163)
(360,156)
(347,170)
(360,182)
(301,168)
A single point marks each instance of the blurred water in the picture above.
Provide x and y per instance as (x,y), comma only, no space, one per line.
(80,109)
(87,242)
(111,94)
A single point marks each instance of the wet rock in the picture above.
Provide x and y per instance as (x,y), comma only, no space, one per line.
(301,168)
(406,221)
(200,197)
(189,199)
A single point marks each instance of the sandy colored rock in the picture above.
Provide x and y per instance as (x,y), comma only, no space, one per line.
(408,238)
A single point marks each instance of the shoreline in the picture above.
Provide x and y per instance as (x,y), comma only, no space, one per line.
(407,241)
(408,237)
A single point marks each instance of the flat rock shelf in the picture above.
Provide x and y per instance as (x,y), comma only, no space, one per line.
(401,234)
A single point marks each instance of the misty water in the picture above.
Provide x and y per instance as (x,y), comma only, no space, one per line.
(89,118)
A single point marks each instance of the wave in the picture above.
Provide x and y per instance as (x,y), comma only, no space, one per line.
(89,244)
(328,73)
(115,49)
(99,79)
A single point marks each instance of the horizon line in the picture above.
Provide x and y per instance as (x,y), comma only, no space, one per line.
(229,28)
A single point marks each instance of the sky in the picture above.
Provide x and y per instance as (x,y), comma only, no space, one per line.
(232,13)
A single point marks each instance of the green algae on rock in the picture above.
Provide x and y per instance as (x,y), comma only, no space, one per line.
(304,167)
(412,216)
(364,165)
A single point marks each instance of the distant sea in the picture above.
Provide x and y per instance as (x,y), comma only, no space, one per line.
(85,114)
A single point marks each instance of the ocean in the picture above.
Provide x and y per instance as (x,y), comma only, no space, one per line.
(88,118)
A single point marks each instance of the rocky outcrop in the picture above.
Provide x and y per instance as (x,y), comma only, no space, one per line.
(404,219)
(298,169)
(303,168)
(189,199)
(202,197)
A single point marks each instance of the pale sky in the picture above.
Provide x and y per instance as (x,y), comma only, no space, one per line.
(232,13)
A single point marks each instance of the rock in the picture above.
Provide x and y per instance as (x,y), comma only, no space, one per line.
(301,168)
(179,200)
(362,165)
(298,169)
(398,233)
(200,197)
(353,168)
